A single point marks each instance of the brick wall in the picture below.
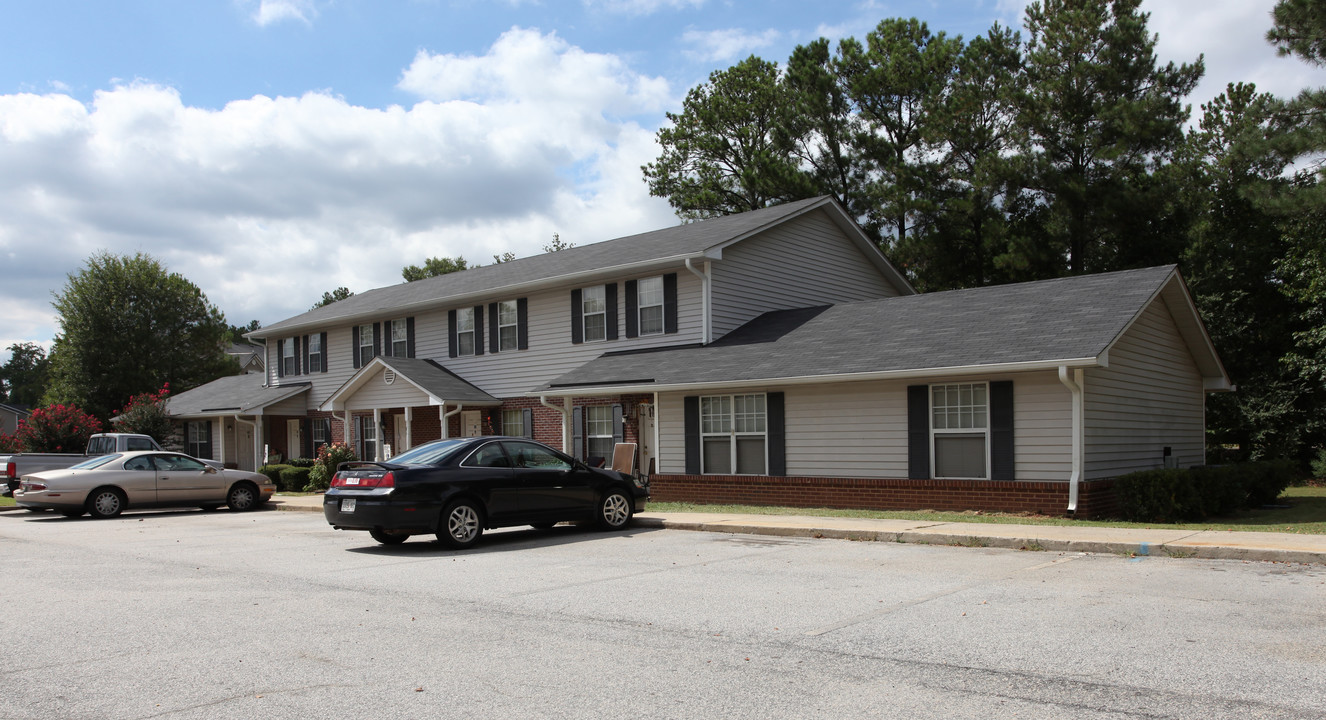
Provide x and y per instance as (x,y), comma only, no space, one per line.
(1095,498)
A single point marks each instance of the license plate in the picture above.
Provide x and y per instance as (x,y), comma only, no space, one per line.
(348,506)
(352,481)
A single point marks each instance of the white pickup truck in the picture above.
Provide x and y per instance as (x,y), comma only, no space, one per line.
(14,467)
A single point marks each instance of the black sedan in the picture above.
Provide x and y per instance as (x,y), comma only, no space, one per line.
(455,489)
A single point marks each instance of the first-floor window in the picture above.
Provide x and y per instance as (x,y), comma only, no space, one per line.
(321,433)
(598,431)
(200,440)
(960,430)
(368,439)
(733,432)
(465,331)
(513,423)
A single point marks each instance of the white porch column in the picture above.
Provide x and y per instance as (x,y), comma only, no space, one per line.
(378,434)
(259,447)
(409,429)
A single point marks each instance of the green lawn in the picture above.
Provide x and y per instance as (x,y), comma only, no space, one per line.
(1306,514)
(6,502)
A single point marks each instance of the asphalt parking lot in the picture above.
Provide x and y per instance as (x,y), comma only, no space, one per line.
(271,614)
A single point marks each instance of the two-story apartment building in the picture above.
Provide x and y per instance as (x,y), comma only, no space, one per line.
(773,356)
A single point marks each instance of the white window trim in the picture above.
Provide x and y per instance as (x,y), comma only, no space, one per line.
(584,316)
(288,353)
(590,436)
(930,397)
(520,421)
(515,343)
(733,434)
(462,313)
(640,307)
(366,426)
(405,337)
(311,353)
(365,341)
(198,428)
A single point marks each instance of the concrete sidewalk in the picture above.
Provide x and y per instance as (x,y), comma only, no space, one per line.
(1222,545)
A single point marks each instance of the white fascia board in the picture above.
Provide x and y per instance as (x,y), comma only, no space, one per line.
(583,277)
(1000,368)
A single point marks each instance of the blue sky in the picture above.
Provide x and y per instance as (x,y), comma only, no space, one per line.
(270,150)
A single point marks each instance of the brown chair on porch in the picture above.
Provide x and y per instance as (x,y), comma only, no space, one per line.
(623,458)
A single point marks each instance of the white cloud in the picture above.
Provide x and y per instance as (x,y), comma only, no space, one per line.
(268,202)
(268,12)
(726,45)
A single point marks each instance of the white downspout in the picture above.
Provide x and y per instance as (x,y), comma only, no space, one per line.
(444,416)
(565,410)
(707,331)
(1075,386)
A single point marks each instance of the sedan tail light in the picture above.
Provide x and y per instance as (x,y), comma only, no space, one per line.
(33,486)
(381,481)
(10,470)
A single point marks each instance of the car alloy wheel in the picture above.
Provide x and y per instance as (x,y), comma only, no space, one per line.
(614,510)
(242,497)
(105,503)
(462,524)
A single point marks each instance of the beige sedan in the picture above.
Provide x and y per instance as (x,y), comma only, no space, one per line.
(108,485)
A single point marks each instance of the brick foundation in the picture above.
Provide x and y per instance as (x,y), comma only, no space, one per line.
(1095,498)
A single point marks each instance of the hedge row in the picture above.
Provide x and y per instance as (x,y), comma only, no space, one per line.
(1198,493)
(287,478)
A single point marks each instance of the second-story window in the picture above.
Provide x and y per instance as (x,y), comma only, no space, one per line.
(400,338)
(314,353)
(465,331)
(365,344)
(288,363)
(650,293)
(508,326)
(594,307)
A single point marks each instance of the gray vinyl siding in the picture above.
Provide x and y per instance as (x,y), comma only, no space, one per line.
(859,429)
(551,353)
(377,393)
(803,263)
(1148,398)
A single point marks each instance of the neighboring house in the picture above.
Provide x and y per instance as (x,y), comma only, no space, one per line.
(10,417)
(249,356)
(773,356)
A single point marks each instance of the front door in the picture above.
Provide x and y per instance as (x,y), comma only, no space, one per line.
(471,423)
(293,445)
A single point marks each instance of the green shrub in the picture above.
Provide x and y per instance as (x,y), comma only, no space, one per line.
(301,462)
(1198,493)
(329,456)
(1319,465)
(293,479)
(273,472)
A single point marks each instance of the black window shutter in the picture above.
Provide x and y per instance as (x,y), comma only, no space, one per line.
(618,425)
(610,299)
(308,360)
(494,342)
(377,339)
(578,433)
(478,329)
(691,415)
(280,358)
(577,318)
(354,345)
(522,320)
(918,432)
(1001,430)
(670,303)
(295,340)
(451,333)
(208,434)
(306,435)
(527,419)
(322,341)
(632,309)
(773,405)
(387,349)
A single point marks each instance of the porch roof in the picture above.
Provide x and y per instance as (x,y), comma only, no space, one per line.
(233,395)
(440,385)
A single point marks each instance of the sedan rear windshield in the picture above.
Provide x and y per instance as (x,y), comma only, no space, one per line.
(95,462)
(432,453)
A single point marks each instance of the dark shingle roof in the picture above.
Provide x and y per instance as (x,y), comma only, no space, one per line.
(680,241)
(236,394)
(437,380)
(1063,319)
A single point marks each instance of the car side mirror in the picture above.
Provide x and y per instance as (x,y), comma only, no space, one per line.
(209,469)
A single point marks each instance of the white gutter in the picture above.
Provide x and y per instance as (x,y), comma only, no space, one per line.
(445,416)
(707,334)
(650,387)
(567,437)
(1075,385)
